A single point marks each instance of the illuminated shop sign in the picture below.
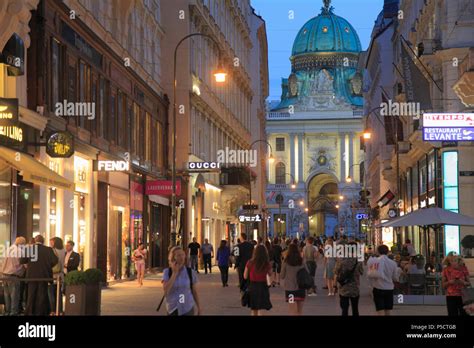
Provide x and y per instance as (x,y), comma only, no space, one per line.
(60,144)
(11,134)
(250,218)
(13,55)
(448,134)
(448,120)
(162,187)
(111,166)
(203,166)
(451,198)
(8,111)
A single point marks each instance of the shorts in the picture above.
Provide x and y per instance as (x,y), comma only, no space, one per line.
(277,267)
(296,295)
(140,266)
(383,299)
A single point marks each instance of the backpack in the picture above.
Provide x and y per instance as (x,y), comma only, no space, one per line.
(170,272)
(304,279)
(347,276)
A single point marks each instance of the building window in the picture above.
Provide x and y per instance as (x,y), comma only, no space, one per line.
(55,73)
(414,181)
(431,171)
(111,136)
(136,130)
(423,177)
(280,144)
(102,107)
(280,171)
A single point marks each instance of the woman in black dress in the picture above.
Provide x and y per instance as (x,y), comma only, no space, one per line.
(256,270)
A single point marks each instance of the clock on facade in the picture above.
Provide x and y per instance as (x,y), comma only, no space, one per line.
(322,160)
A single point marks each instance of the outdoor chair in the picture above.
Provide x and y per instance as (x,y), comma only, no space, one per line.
(416,284)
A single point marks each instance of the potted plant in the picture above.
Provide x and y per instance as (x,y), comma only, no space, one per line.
(83,292)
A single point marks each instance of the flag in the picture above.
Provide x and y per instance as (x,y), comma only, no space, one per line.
(271,196)
(417,87)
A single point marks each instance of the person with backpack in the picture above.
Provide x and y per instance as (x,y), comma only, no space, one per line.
(289,275)
(180,286)
(310,257)
(255,272)
(382,273)
(348,272)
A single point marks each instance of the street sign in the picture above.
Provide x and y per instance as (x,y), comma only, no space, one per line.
(466,173)
(250,207)
(448,120)
(386,198)
(448,134)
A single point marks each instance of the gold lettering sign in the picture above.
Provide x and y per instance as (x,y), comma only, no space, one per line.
(60,144)
(12,132)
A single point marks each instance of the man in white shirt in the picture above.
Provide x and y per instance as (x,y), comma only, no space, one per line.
(14,270)
(382,272)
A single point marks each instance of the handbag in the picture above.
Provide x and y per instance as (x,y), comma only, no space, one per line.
(304,279)
(467,295)
(245,298)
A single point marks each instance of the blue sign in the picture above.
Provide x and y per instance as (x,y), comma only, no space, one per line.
(448,134)
(362,216)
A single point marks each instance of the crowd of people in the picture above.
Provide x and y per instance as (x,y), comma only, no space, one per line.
(263,264)
(24,272)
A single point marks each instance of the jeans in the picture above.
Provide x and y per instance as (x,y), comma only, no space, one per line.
(311,266)
(344,302)
(224,274)
(194,262)
(455,306)
(11,290)
(207,262)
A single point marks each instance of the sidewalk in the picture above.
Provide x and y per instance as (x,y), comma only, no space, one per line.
(128,299)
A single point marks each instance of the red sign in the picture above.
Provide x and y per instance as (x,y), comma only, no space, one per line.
(162,187)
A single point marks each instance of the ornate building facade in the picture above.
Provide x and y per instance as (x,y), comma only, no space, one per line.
(314,132)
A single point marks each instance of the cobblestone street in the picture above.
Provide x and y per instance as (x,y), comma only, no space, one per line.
(127,298)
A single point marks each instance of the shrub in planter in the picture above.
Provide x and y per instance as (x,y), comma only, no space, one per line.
(83,292)
(468,243)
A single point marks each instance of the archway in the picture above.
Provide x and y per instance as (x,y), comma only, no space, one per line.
(323,194)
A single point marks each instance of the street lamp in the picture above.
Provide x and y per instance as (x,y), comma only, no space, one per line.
(220,77)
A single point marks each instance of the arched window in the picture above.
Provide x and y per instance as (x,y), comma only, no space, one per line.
(280,171)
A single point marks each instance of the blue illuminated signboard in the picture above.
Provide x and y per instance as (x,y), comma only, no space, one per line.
(448,134)
(451,199)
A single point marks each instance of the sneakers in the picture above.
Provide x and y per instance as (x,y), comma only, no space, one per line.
(313,294)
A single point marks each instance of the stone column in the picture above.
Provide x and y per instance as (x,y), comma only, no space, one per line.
(351,155)
(342,142)
(300,157)
(292,157)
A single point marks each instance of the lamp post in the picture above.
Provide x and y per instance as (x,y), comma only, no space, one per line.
(220,76)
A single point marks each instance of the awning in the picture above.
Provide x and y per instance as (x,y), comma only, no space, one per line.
(429,217)
(34,171)
(159,199)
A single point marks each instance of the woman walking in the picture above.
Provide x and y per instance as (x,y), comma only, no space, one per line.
(139,256)
(293,294)
(256,271)
(455,279)
(180,285)
(348,272)
(329,264)
(277,254)
(223,256)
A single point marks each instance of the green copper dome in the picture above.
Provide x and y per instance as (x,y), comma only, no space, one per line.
(326,33)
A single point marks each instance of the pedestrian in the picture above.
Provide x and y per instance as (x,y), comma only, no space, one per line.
(348,271)
(283,243)
(407,249)
(293,294)
(223,257)
(39,261)
(13,269)
(329,264)
(310,258)
(207,251)
(382,273)
(260,241)
(244,253)
(455,279)
(72,259)
(57,245)
(139,256)
(194,249)
(256,271)
(180,285)
(277,261)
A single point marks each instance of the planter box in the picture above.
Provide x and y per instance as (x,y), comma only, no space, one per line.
(83,299)
(470,265)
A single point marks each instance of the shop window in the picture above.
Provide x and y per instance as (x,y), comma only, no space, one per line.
(5,202)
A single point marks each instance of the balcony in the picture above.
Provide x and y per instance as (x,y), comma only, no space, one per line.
(278,115)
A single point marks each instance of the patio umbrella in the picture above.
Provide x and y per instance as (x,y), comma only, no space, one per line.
(429,217)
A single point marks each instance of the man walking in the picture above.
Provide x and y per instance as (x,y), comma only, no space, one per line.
(310,257)
(194,249)
(244,253)
(382,272)
(39,265)
(14,270)
(207,255)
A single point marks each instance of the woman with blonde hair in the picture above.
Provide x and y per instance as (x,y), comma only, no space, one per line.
(180,285)
(455,279)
